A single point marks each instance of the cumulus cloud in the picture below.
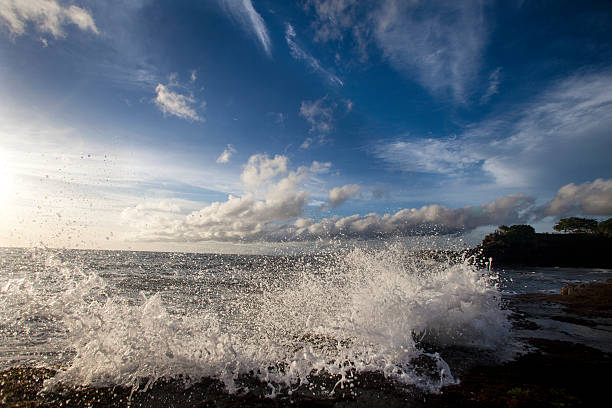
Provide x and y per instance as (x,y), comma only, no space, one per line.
(48,16)
(298,53)
(226,155)
(260,168)
(250,20)
(174,103)
(590,198)
(430,218)
(273,198)
(339,195)
(273,207)
(247,219)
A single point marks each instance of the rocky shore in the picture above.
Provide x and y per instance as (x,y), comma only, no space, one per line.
(550,373)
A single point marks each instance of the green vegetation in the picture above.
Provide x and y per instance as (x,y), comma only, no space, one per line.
(576,225)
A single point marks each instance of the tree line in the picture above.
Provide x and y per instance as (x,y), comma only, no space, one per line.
(577,225)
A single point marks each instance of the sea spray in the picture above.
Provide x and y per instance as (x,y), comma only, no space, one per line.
(283,321)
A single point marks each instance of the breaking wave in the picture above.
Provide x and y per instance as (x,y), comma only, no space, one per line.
(281,322)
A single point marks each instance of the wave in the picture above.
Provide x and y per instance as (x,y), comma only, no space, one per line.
(381,311)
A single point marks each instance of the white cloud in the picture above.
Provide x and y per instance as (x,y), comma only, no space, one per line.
(444,156)
(48,16)
(339,195)
(226,155)
(437,43)
(590,198)
(176,104)
(509,209)
(239,218)
(336,18)
(279,214)
(349,105)
(320,115)
(273,210)
(299,53)
(249,219)
(493,89)
(251,21)
(562,134)
(440,43)
(260,168)
(306,143)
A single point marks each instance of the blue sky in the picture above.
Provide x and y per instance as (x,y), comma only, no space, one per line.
(202,124)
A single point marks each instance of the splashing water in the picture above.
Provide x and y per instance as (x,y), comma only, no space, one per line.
(279,320)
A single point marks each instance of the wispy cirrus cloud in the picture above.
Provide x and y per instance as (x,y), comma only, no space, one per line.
(565,126)
(250,20)
(493,88)
(48,16)
(298,53)
(437,43)
(440,43)
(437,156)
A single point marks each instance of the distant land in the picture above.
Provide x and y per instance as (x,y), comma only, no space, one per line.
(585,243)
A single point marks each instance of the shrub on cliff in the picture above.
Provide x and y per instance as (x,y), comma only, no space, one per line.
(521,235)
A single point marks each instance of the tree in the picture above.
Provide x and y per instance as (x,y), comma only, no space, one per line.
(576,225)
(521,235)
(605,227)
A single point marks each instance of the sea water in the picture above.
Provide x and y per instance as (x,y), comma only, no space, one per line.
(128,318)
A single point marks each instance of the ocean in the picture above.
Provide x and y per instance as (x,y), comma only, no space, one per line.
(107,318)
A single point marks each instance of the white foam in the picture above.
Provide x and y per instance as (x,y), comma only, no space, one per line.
(365,312)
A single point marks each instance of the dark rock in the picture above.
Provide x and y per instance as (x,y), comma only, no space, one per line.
(591,300)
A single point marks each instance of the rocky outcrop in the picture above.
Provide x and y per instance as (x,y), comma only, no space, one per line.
(591,300)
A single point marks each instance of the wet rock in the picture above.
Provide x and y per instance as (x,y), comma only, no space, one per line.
(588,300)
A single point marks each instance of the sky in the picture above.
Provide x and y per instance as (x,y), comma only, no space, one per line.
(241,125)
